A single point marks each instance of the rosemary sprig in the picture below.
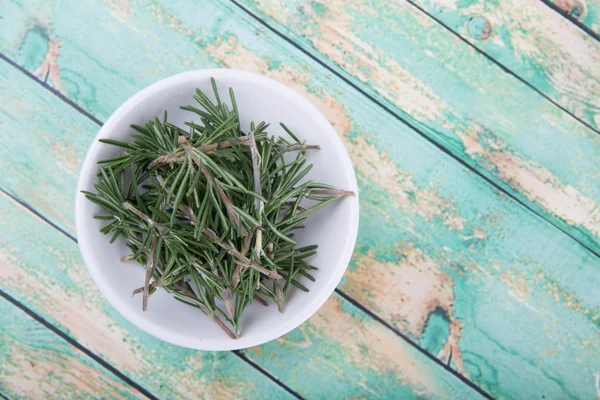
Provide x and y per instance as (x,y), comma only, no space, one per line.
(210,211)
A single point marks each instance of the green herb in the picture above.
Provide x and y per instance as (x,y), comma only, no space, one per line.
(210,211)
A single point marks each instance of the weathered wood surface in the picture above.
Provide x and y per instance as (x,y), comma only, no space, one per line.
(586,12)
(38,364)
(339,352)
(465,102)
(472,276)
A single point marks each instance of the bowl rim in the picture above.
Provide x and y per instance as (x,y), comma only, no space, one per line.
(89,166)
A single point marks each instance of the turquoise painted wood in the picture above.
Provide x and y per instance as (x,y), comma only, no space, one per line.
(586,12)
(474,278)
(339,352)
(38,364)
(426,225)
(465,102)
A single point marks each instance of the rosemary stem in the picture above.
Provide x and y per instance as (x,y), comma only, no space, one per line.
(260,300)
(235,279)
(334,192)
(140,214)
(227,299)
(278,293)
(292,203)
(149,269)
(224,327)
(300,147)
(175,156)
(240,258)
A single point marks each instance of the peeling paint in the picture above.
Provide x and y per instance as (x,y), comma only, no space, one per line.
(66,155)
(412,288)
(37,365)
(49,67)
(406,194)
(517,282)
(407,293)
(534,181)
(452,348)
(120,9)
(87,322)
(386,353)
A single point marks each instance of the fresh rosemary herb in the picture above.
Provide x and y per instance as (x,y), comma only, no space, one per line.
(210,211)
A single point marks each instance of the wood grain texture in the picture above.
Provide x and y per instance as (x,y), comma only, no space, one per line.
(465,102)
(467,272)
(343,353)
(586,12)
(35,363)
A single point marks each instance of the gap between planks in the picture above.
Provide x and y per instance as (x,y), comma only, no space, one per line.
(272,377)
(572,19)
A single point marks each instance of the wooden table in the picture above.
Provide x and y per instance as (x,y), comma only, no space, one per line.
(474,129)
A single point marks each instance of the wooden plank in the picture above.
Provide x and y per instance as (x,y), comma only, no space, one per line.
(584,12)
(343,352)
(466,103)
(35,363)
(424,219)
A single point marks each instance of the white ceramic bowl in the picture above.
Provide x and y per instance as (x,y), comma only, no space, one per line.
(333,228)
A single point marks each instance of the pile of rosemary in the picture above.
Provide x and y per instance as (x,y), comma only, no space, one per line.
(210,211)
